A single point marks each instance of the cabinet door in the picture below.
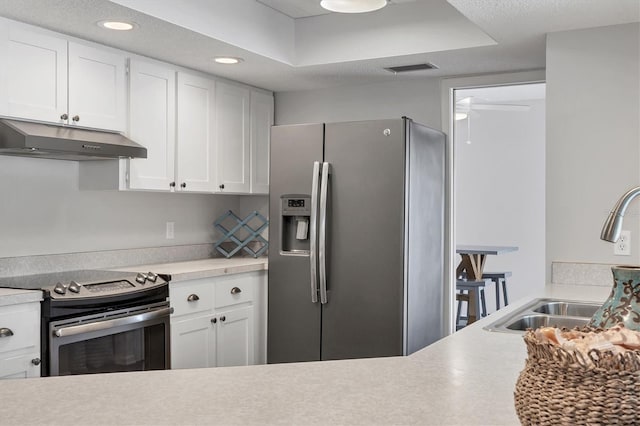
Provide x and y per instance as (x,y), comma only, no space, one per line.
(195,169)
(261,122)
(20,367)
(232,129)
(235,338)
(97,88)
(152,123)
(33,74)
(193,343)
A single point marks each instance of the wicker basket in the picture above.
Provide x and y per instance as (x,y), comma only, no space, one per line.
(558,387)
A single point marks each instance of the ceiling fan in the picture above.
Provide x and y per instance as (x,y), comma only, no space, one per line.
(471,103)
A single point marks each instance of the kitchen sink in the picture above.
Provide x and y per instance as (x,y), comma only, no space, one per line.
(535,321)
(546,313)
(571,309)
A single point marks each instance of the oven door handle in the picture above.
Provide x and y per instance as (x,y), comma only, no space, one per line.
(116,322)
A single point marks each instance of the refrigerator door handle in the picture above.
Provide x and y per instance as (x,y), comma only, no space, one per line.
(322,252)
(313,233)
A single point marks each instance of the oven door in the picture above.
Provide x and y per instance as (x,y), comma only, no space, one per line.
(132,339)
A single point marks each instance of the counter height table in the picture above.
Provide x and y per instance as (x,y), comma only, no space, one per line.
(472,264)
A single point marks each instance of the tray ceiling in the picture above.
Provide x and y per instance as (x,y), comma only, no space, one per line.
(287,45)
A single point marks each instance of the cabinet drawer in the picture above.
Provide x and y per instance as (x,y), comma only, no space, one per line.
(233,289)
(191,298)
(20,325)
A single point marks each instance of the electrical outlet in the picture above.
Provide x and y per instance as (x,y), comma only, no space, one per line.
(170,226)
(622,247)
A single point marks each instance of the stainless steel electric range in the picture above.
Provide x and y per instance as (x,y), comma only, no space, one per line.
(96,321)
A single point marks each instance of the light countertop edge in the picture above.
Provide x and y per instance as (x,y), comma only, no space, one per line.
(203,268)
(466,378)
(10,296)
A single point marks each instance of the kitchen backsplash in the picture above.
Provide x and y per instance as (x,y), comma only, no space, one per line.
(27,265)
(594,274)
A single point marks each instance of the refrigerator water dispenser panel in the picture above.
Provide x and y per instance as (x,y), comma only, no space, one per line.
(296,212)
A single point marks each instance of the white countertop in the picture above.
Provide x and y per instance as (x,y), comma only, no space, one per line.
(11,296)
(467,378)
(204,268)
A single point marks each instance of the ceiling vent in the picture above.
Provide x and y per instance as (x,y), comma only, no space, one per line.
(408,68)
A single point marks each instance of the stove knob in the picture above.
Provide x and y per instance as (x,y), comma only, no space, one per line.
(152,277)
(60,288)
(141,278)
(74,287)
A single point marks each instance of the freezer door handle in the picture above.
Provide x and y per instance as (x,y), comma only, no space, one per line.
(313,229)
(322,231)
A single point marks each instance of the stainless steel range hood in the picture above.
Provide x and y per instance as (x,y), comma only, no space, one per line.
(38,140)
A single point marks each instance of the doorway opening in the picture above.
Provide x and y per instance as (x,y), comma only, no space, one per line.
(498,136)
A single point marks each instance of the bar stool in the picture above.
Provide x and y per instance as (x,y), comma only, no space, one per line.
(480,305)
(497,278)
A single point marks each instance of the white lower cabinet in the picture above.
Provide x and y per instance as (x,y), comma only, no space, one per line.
(193,343)
(235,338)
(218,322)
(20,340)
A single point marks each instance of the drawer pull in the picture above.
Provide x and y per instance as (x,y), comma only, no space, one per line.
(5,332)
(236,290)
(35,361)
(214,320)
(192,298)
(223,318)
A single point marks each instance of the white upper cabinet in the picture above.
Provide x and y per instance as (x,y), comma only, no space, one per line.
(46,78)
(261,122)
(152,120)
(33,74)
(97,88)
(233,138)
(201,134)
(195,169)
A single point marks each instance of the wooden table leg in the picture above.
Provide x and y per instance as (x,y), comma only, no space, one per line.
(473,265)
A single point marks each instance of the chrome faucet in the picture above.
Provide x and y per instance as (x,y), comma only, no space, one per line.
(612,227)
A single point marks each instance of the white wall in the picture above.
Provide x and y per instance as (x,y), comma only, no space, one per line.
(42,211)
(593,139)
(499,185)
(417,99)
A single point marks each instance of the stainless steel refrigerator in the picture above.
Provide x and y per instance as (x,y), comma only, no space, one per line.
(356,240)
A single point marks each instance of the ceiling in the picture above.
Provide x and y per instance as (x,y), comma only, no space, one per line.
(306,8)
(294,45)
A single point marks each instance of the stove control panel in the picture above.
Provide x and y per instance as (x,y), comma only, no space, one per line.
(75,289)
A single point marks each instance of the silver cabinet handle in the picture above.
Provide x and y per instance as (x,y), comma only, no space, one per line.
(76,118)
(313,237)
(236,290)
(116,322)
(193,298)
(35,361)
(322,233)
(5,332)
(64,117)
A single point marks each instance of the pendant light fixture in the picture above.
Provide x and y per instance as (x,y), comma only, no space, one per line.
(353,6)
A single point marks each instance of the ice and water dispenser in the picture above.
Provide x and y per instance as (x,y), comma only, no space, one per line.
(295,214)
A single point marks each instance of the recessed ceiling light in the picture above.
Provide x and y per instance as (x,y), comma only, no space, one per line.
(117,25)
(227,60)
(353,6)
